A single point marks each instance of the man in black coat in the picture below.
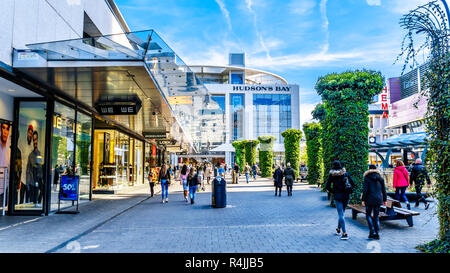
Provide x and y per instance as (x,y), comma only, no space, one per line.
(419,175)
(374,195)
(278,180)
(289,177)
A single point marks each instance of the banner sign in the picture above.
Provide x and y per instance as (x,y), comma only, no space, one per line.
(119,105)
(69,187)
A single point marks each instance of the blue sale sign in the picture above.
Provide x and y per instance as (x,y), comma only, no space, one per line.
(69,188)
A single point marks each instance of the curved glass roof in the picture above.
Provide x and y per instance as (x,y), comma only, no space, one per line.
(403,140)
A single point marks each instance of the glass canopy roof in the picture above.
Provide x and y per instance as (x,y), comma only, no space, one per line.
(403,140)
(180,87)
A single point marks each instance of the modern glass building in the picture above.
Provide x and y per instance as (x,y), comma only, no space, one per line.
(255,102)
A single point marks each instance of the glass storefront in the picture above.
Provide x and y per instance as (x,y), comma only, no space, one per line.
(83,154)
(118,161)
(271,115)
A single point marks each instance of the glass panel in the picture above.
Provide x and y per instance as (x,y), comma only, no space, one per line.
(30,156)
(272,114)
(83,154)
(63,149)
(237,115)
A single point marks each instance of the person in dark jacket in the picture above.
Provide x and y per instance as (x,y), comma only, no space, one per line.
(193,180)
(419,175)
(289,177)
(278,180)
(374,195)
(336,185)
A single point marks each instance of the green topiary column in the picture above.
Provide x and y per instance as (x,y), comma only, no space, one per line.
(250,151)
(266,155)
(347,96)
(319,113)
(292,139)
(239,147)
(313,132)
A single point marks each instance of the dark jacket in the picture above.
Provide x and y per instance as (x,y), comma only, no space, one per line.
(374,190)
(165,176)
(336,184)
(194,181)
(278,177)
(289,176)
(419,175)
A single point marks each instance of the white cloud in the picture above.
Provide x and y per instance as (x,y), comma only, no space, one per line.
(302,7)
(305,112)
(403,7)
(258,34)
(225,12)
(323,11)
(374,2)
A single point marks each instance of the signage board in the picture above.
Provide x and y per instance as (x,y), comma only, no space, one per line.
(69,187)
(166,142)
(155,135)
(118,105)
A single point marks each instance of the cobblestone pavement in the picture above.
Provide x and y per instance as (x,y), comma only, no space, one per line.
(254,221)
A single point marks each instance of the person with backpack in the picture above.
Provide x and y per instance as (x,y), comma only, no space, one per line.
(164,179)
(401,182)
(340,184)
(419,175)
(289,177)
(152,178)
(278,180)
(183,181)
(193,181)
(373,196)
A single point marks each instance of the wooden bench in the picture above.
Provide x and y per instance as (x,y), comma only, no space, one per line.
(392,211)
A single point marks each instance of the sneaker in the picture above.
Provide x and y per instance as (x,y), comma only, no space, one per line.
(338,231)
(344,236)
(167,200)
(408,206)
(192,201)
(427,205)
(376,236)
(163,201)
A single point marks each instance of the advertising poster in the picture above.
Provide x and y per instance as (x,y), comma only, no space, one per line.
(5,151)
(69,188)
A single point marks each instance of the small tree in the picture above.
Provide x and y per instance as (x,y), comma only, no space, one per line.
(266,155)
(313,132)
(292,139)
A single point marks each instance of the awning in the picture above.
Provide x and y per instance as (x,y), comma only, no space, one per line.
(226,147)
(136,63)
(403,140)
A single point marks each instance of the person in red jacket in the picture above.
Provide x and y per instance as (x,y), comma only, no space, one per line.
(401,181)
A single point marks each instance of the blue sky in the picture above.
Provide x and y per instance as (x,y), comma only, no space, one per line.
(299,40)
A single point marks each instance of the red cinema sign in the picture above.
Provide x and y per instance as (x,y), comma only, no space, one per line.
(384,102)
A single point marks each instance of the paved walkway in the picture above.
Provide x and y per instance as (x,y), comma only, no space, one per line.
(254,221)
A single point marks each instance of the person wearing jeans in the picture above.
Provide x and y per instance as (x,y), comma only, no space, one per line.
(419,175)
(164,178)
(374,195)
(193,180)
(401,182)
(337,185)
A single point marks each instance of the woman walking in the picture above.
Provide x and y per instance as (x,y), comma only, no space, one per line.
(374,195)
(278,180)
(401,182)
(340,184)
(208,173)
(152,178)
(183,181)
(200,173)
(164,179)
(193,181)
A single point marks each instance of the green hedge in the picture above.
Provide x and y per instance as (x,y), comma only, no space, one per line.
(347,96)
(240,153)
(319,113)
(313,134)
(292,139)
(266,155)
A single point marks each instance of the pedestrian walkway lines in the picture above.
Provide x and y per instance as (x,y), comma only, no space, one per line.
(21,223)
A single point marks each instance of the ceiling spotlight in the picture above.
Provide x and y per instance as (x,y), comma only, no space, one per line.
(11,90)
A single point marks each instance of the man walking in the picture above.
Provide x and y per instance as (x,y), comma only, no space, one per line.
(419,175)
(289,177)
(247,171)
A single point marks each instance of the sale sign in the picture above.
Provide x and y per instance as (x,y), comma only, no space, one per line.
(69,188)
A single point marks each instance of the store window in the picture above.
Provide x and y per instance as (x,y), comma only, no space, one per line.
(5,152)
(272,115)
(237,77)
(29,173)
(237,115)
(83,154)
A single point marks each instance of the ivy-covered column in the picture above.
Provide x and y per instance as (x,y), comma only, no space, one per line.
(313,132)
(292,139)
(266,155)
(347,116)
(250,151)
(240,153)
(319,113)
